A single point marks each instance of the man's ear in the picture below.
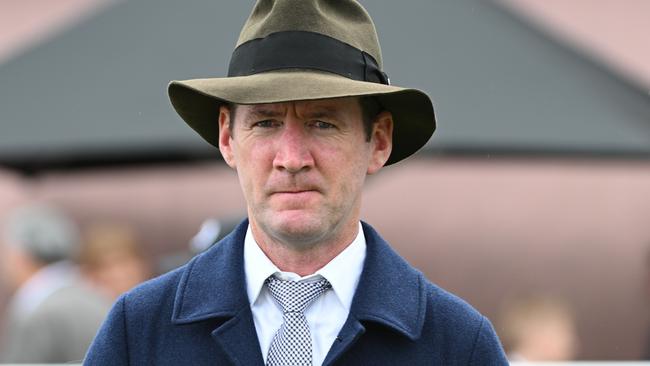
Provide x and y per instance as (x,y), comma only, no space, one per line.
(381,141)
(225,136)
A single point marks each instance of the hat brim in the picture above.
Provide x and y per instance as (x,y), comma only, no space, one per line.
(197,101)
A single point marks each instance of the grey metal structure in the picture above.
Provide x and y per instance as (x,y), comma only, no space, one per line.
(96,93)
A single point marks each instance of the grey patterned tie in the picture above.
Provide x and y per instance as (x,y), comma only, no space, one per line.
(291,345)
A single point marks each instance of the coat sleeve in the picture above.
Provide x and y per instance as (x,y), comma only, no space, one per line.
(110,346)
(487,348)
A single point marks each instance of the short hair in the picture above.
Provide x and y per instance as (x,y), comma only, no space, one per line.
(109,240)
(370,108)
(44,233)
(519,316)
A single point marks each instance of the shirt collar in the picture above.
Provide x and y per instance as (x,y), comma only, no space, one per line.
(342,272)
(257,266)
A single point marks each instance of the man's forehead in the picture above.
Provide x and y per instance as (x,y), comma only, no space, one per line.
(321,106)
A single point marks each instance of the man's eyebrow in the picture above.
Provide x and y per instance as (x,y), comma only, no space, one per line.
(264,112)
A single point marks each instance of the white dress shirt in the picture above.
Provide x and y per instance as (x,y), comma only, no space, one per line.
(325,316)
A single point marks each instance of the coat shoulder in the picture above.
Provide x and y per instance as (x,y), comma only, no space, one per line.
(449,308)
(151,292)
(462,330)
(140,328)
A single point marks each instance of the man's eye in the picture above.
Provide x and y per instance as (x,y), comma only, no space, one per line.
(269,123)
(322,125)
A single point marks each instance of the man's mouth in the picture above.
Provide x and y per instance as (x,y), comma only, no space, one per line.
(295,194)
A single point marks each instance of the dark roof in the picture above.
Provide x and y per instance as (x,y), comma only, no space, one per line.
(97,92)
(501,86)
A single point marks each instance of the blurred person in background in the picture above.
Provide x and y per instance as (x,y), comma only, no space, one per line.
(112,260)
(210,232)
(538,328)
(14,192)
(53,314)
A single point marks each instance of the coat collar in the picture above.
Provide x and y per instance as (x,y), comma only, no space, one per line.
(390,291)
(213,284)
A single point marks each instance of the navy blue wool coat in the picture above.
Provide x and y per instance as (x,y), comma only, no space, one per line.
(199,314)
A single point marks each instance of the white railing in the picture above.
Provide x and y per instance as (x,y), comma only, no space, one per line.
(581,363)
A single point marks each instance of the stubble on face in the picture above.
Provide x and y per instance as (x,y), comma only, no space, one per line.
(303,227)
(302,181)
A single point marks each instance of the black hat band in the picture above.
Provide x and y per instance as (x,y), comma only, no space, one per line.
(304,50)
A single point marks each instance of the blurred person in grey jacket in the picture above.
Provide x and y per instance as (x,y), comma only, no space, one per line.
(53,315)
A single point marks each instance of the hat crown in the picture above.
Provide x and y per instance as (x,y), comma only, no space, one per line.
(345,20)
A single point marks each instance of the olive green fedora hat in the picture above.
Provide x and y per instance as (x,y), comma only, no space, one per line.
(303,50)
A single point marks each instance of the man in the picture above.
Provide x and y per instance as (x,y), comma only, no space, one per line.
(53,315)
(305,114)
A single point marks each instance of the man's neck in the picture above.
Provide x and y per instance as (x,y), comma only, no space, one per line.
(306,261)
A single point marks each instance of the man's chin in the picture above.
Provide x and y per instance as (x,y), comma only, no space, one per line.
(301,233)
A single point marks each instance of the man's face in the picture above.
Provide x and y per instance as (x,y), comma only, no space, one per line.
(302,165)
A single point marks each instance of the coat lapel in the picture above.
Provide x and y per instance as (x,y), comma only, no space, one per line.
(390,293)
(238,339)
(213,286)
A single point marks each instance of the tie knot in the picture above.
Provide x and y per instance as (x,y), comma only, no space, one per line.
(295,296)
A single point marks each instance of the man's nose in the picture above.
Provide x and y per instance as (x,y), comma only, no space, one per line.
(293,152)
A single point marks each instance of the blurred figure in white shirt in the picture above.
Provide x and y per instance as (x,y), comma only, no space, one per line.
(53,314)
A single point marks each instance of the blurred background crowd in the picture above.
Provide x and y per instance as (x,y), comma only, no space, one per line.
(532,201)
(62,280)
